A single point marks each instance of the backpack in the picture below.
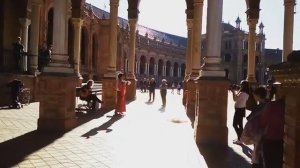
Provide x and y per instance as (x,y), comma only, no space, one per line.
(253,130)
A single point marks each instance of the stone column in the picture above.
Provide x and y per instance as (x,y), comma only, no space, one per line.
(213,59)
(114,4)
(197,33)
(251,50)
(58,82)
(25,22)
(131,93)
(288,28)
(109,80)
(59,57)
(212,87)
(77,22)
(34,36)
(189,50)
(147,69)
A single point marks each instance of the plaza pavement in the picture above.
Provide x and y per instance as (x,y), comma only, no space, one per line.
(147,137)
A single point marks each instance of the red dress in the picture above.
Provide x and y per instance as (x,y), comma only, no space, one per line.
(121,98)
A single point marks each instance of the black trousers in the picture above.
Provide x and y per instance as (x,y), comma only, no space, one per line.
(163,94)
(238,121)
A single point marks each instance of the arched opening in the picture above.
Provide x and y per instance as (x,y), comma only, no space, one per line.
(168,68)
(160,67)
(50,26)
(94,52)
(142,64)
(83,46)
(175,70)
(151,66)
(182,72)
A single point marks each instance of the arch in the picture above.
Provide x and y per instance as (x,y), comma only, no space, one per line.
(151,66)
(168,68)
(175,69)
(160,67)
(143,64)
(50,20)
(84,46)
(182,72)
(94,51)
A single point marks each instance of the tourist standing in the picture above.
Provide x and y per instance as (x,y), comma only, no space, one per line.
(18,52)
(152,86)
(240,98)
(163,91)
(121,95)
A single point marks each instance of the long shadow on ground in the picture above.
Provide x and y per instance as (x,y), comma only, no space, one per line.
(104,127)
(15,150)
(217,156)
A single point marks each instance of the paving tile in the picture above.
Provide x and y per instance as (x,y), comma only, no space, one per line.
(146,137)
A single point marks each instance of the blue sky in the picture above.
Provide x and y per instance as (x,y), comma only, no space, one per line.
(169,16)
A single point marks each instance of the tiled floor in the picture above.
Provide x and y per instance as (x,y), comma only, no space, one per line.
(147,137)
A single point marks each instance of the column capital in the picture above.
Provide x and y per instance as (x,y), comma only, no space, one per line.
(114,3)
(289,2)
(198,1)
(25,21)
(77,21)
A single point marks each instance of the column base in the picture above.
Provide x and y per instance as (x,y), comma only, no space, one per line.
(204,73)
(65,70)
(251,79)
(211,113)
(109,94)
(57,97)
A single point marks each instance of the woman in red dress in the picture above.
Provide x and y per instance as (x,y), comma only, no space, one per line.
(121,95)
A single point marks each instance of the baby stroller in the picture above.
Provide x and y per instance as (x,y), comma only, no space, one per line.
(15,88)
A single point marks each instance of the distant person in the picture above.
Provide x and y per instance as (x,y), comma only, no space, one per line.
(172,88)
(271,90)
(178,88)
(152,86)
(121,95)
(163,91)
(18,52)
(240,98)
(44,56)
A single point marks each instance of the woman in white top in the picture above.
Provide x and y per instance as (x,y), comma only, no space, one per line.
(240,97)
